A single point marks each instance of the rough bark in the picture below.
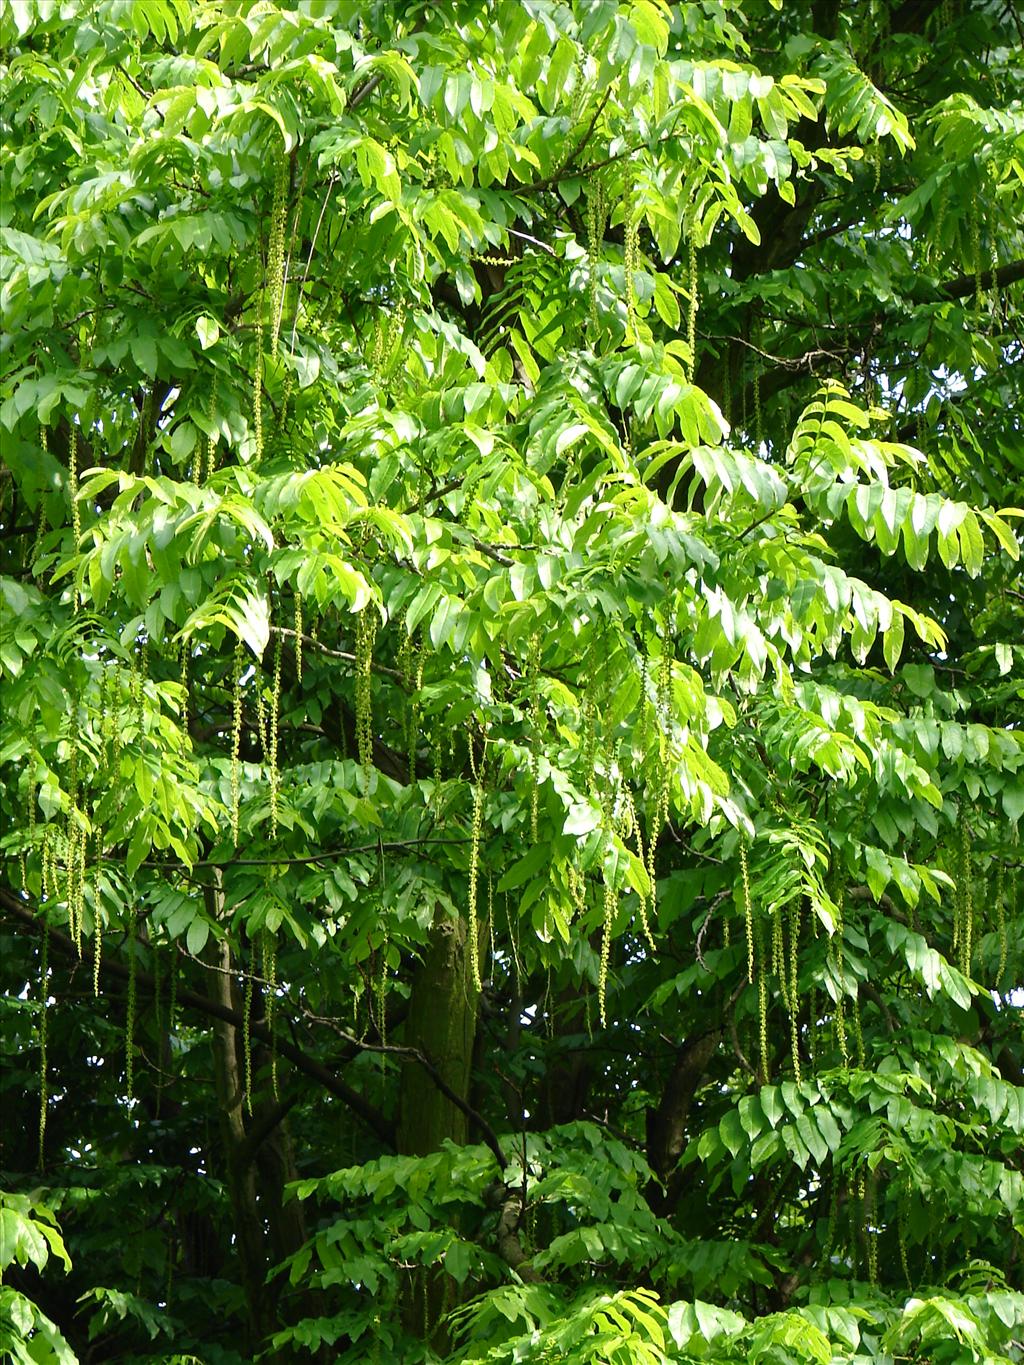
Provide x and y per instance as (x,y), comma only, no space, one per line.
(570,1069)
(275,1161)
(667,1124)
(241,1176)
(442,1025)
(216,1006)
(510,1248)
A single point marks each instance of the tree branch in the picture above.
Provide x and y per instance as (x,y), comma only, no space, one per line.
(509,1246)
(416,1055)
(989,279)
(312,643)
(213,1009)
(364,91)
(388,846)
(666,1125)
(309,1065)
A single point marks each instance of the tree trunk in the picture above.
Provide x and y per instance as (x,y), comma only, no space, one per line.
(241,1179)
(441,1024)
(667,1124)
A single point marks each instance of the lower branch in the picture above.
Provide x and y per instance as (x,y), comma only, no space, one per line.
(216,1009)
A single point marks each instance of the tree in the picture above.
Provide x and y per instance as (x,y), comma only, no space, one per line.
(510,763)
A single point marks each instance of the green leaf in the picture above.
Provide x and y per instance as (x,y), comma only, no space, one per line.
(208,331)
(1013,799)
(457,1261)
(197,935)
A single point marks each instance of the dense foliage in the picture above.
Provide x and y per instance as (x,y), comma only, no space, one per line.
(510,759)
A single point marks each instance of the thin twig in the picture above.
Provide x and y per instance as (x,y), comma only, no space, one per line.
(558,176)
(339,653)
(309,259)
(24,910)
(450,487)
(722,895)
(492,553)
(734,1036)
(525,236)
(785,362)
(364,91)
(415,1054)
(321,857)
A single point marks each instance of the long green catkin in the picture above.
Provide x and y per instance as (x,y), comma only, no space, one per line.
(44,991)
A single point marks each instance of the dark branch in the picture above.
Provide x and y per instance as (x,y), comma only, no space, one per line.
(415,1054)
(325,855)
(371,1116)
(989,279)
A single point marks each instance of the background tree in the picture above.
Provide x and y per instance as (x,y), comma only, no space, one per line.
(511,651)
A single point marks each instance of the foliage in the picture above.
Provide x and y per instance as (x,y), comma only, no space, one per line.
(510,759)
(28,1236)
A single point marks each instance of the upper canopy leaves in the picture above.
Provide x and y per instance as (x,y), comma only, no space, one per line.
(542,478)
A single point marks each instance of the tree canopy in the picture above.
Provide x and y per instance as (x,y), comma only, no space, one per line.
(512,663)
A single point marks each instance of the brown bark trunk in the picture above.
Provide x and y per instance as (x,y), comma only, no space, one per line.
(249,1242)
(667,1125)
(570,1070)
(275,1159)
(441,1024)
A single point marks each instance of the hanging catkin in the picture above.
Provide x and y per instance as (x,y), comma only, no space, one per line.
(630,236)
(366,633)
(778,952)
(380,990)
(41,523)
(975,220)
(632,825)
(76,511)
(1001,925)
(172,992)
(793,998)
(858,1032)
(414,709)
(275,720)
(902,1217)
(762,1005)
(748,912)
(257,384)
(276,247)
(967,922)
(595,237)
(662,785)
(474,872)
(608,905)
(236,740)
(211,415)
(298,637)
(270,999)
(129,1023)
(44,992)
(694,304)
(513,942)
(97,945)
(870,1231)
(758,420)
(262,733)
(247,1038)
(963,906)
(71,823)
(141,667)
(533,676)
(490,917)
